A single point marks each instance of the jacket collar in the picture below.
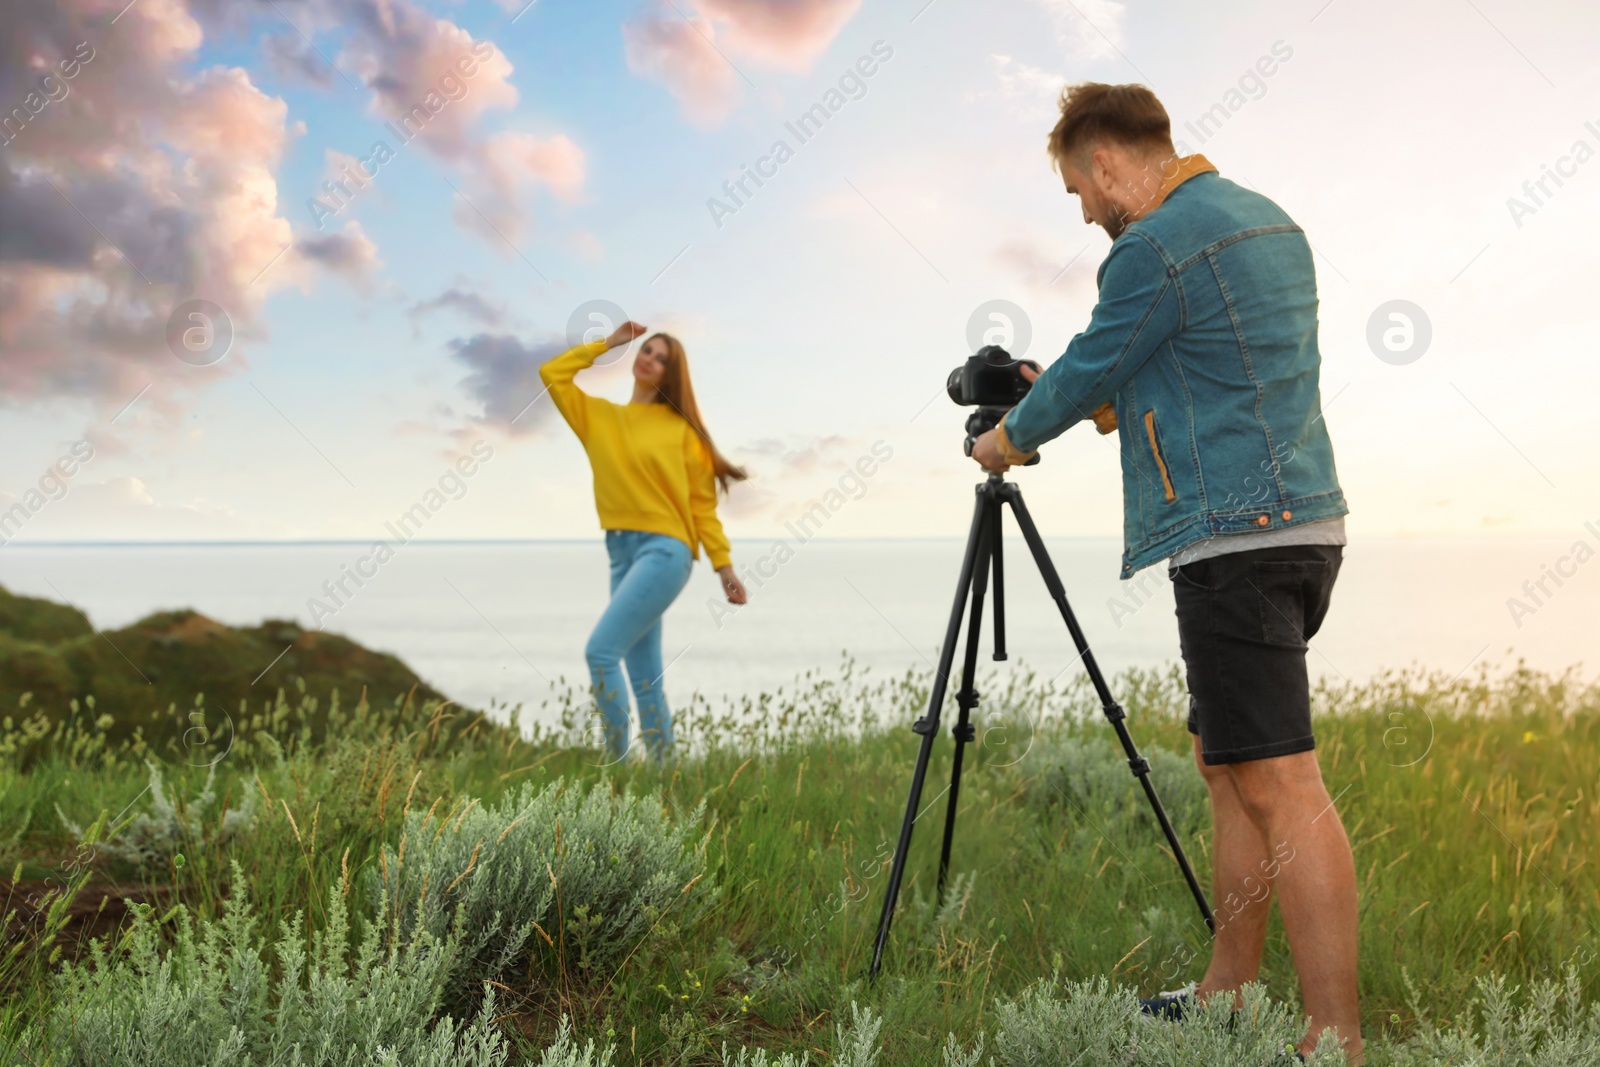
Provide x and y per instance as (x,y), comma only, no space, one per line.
(1187,167)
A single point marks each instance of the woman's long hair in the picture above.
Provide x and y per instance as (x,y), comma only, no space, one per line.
(677,390)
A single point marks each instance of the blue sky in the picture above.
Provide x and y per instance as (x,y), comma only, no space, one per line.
(820,318)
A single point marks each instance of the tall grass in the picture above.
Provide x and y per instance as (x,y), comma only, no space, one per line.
(1470,802)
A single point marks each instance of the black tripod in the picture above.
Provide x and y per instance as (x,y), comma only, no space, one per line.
(983,551)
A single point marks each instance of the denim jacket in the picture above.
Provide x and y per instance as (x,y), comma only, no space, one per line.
(1204,339)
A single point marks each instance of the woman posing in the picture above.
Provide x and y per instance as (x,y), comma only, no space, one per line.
(656,475)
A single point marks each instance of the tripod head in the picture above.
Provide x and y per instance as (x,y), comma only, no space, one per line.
(981,421)
(991,382)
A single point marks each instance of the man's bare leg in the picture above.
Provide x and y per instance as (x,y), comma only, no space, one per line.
(1241,864)
(1316,887)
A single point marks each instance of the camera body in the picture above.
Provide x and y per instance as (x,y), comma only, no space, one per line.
(992,382)
(990,379)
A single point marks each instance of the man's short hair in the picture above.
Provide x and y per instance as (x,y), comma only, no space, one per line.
(1093,114)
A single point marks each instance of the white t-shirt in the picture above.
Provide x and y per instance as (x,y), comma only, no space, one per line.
(1321,532)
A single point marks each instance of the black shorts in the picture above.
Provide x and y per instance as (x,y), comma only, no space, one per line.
(1243,622)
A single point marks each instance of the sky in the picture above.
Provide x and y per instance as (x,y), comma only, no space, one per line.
(376,297)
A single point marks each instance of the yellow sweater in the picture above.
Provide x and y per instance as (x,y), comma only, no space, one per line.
(651,470)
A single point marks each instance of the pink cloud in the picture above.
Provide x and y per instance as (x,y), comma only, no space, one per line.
(683,56)
(555,162)
(432,80)
(350,253)
(413,60)
(135,183)
(140,187)
(503,167)
(694,54)
(781,33)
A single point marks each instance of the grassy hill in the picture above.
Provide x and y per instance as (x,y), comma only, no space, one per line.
(154,674)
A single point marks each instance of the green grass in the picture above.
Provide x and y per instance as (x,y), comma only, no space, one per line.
(1471,804)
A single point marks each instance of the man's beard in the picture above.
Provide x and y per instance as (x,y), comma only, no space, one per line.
(1115,223)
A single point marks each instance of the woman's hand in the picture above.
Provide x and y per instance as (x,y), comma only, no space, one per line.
(627,333)
(732,585)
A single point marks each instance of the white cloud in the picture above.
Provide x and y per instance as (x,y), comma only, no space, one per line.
(1091,29)
(1028,92)
(126,507)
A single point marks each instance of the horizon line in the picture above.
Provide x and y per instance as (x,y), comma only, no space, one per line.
(315,542)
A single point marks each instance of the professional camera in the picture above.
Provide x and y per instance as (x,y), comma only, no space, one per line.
(992,382)
(989,379)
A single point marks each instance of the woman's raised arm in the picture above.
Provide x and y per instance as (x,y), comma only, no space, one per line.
(558,374)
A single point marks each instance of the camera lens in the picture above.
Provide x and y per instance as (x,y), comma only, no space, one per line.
(953,385)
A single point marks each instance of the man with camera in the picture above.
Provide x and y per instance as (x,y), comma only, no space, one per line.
(1202,354)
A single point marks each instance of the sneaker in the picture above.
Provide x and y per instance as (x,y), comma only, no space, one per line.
(1171,1005)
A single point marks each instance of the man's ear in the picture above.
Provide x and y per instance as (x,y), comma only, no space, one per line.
(1101,168)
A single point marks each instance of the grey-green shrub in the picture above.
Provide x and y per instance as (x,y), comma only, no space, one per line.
(1096,1024)
(1262,1033)
(857,1045)
(171,824)
(956,1056)
(577,868)
(1091,1023)
(854,1045)
(760,1057)
(1088,776)
(566,1052)
(210,1001)
(1548,1026)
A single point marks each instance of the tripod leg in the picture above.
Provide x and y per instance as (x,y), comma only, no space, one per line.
(999,583)
(967,695)
(928,727)
(1113,711)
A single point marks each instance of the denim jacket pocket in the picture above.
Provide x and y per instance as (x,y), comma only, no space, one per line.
(1170,493)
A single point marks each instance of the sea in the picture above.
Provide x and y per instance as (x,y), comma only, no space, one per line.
(502,624)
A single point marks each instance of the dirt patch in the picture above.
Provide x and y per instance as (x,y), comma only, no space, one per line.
(195,626)
(100,910)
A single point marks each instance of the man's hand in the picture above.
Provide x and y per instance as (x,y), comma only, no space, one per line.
(986,447)
(625,334)
(986,450)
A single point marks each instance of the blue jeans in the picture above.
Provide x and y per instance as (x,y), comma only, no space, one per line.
(648,571)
